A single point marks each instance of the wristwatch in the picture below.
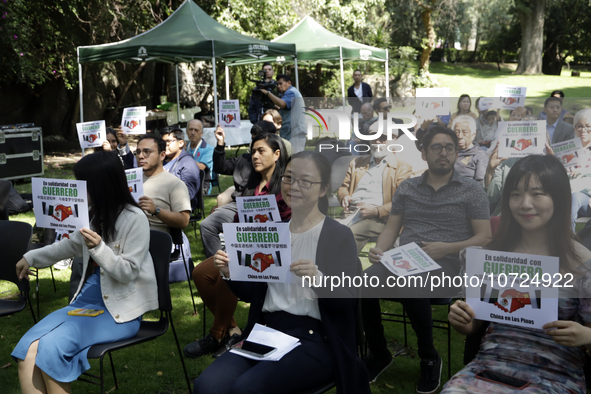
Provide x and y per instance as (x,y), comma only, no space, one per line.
(156,211)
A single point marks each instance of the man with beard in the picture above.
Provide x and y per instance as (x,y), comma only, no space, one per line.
(443,212)
(369,186)
(472,160)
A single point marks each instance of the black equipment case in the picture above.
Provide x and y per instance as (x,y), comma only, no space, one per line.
(21,151)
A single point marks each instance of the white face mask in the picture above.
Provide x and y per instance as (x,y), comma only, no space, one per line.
(379,151)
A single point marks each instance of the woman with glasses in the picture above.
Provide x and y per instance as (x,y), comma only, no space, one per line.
(267,159)
(323,320)
(118,279)
(536,221)
(581,176)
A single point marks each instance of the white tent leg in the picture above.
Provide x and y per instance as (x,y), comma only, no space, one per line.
(215,91)
(227,83)
(296,73)
(81,96)
(342,77)
(178,97)
(387,77)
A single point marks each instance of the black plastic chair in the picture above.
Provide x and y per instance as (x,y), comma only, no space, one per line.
(199,211)
(177,240)
(160,246)
(441,324)
(14,242)
(5,187)
(48,239)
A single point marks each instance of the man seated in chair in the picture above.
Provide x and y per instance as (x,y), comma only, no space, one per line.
(180,164)
(443,212)
(201,151)
(369,186)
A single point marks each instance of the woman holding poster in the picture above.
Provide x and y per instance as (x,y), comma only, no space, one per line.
(119,282)
(536,202)
(325,326)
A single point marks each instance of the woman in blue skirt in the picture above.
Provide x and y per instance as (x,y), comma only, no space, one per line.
(118,277)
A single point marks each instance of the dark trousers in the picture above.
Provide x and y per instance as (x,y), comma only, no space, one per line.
(212,226)
(306,366)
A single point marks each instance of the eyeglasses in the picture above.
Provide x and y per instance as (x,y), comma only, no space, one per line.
(583,129)
(168,142)
(144,152)
(301,182)
(386,108)
(437,148)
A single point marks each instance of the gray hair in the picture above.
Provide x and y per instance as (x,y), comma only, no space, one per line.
(582,114)
(465,119)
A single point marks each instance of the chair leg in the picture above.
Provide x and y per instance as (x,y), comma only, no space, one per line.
(53,280)
(113,369)
(448,346)
(204,317)
(102,380)
(169,314)
(404,323)
(31,308)
(188,280)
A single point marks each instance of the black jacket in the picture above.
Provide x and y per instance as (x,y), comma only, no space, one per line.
(354,100)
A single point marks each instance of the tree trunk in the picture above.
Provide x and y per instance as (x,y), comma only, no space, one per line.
(531,17)
(430,41)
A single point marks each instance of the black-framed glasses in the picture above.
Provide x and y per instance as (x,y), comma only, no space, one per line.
(144,152)
(168,142)
(437,148)
(288,180)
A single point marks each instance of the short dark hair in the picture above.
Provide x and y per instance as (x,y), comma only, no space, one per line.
(157,139)
(175,131)
(107,188)
(549,99)
(285,77)
(377,102)
(263,128)
(275,143)
(356,71)
(433,131)
(558,92)
(267,64)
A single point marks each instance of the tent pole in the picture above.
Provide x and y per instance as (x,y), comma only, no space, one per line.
(387,77)
(227,83)
(296,73)
(342,77)
(81,96)
(178,97)
(215,91)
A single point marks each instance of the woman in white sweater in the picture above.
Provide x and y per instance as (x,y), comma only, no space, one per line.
(118,277)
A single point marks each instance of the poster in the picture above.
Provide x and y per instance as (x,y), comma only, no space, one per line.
(409,259)
(229,114)
(258,252)
(258,209)
(62,234)
(512,288)
(135,181)
(510,97)
(485,103)
(134,120)
(520,139)
(431,102)
(91,134)
(570,153)
(60,204)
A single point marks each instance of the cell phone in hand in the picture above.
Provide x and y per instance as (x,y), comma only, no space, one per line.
(499,378)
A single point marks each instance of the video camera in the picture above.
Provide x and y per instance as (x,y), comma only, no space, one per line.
(261,84)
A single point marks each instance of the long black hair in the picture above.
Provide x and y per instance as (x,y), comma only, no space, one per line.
(550,172)
(324,168)
(107,188)
(275,143)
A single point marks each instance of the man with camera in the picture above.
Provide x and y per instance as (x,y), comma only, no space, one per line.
(294,129)
(259,103)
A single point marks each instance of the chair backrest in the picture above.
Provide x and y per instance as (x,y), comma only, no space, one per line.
(160,246)
(5,187)
(14,243)
(200,202)
(339,171)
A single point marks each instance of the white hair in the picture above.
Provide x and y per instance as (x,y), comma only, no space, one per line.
(582,114)
(465,119)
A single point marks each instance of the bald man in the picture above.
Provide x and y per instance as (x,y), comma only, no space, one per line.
(202,152)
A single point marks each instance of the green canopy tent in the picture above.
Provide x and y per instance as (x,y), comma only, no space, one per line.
(315,44)
(188,35)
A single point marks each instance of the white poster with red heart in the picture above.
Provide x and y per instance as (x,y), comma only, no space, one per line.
(60,204)
(133,120)
(229,114)
(91,134)
(522,138)
(258,252)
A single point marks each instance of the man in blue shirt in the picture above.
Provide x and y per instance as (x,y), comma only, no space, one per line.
(202,152)
(294,131)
